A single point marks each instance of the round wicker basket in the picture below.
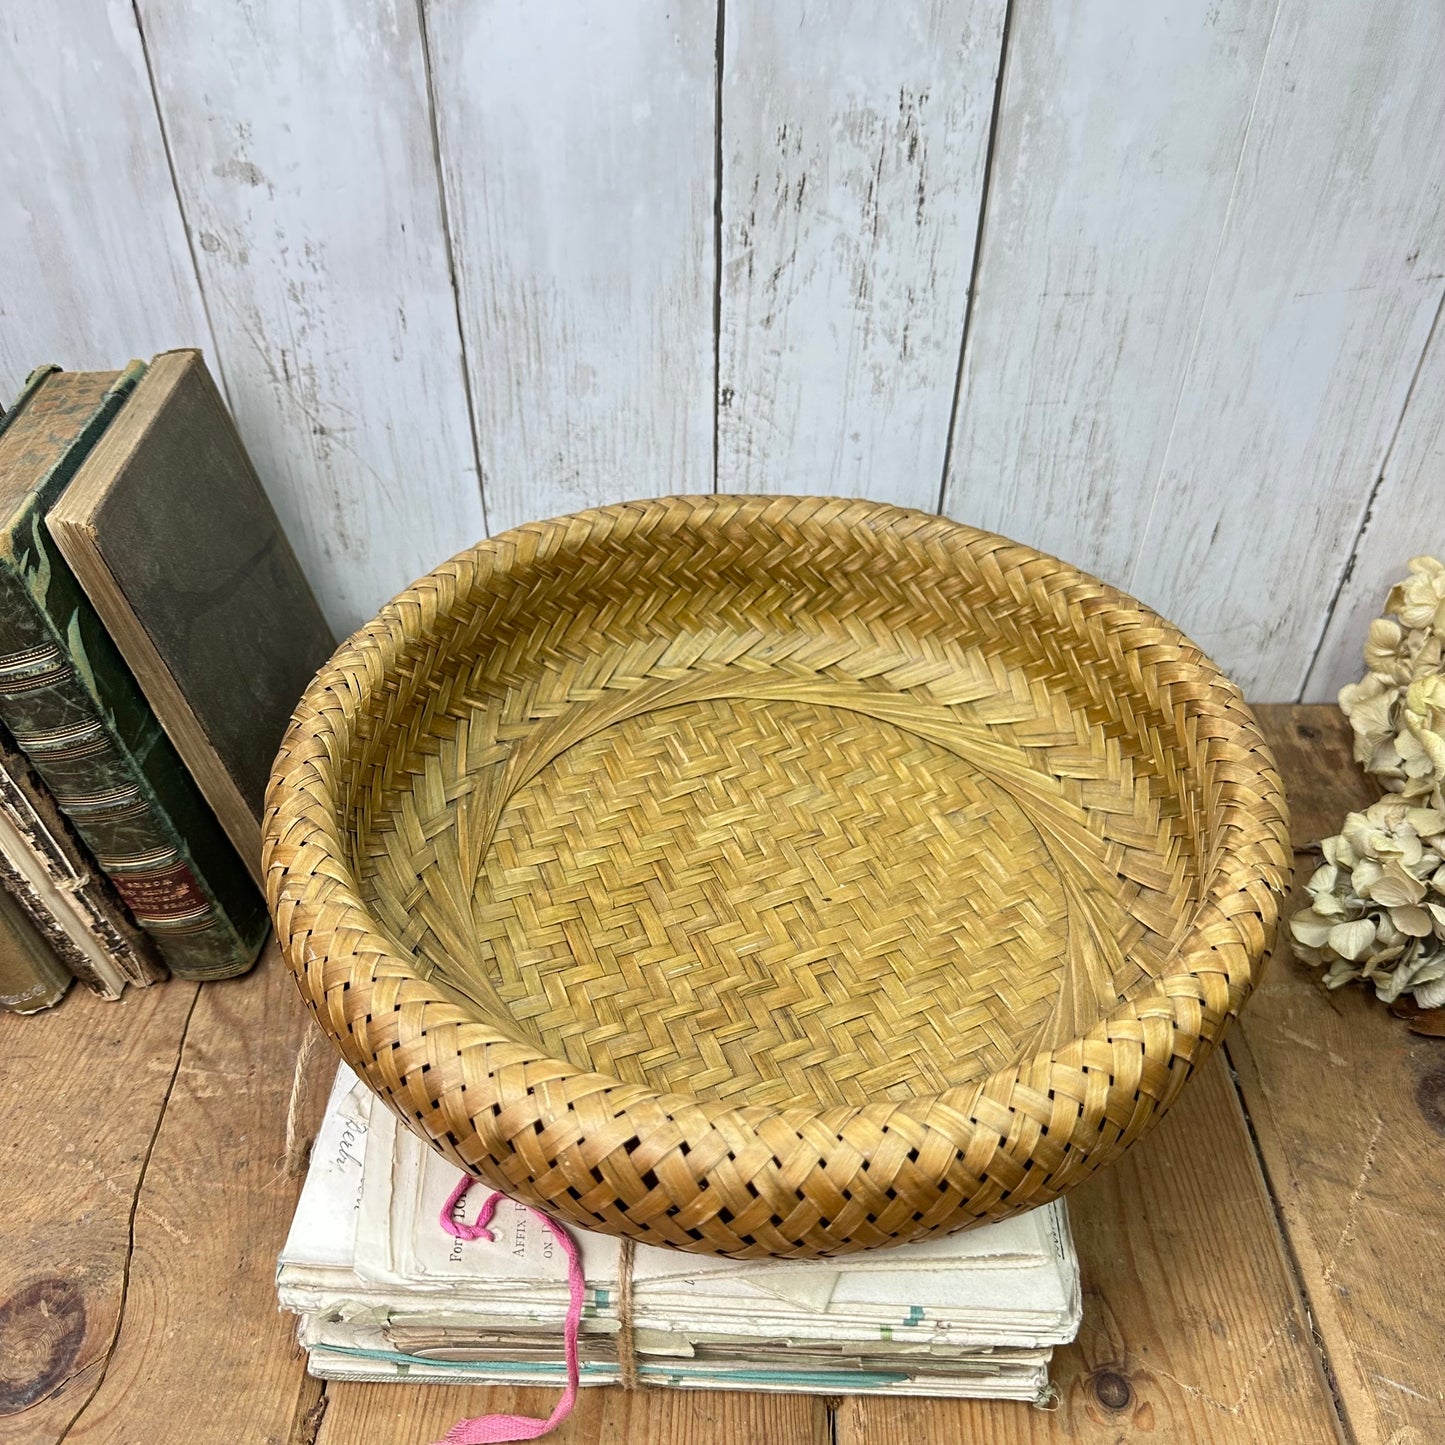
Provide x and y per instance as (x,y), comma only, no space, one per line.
(773,876)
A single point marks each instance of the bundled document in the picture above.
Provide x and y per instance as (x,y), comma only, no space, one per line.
(383,1292)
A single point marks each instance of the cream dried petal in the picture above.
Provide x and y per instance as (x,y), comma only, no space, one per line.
(1364,874)
(1373,707)
(1413,920)
(1425,654)
(1358,835)
(1384,645)
(1340,972)
(1433,744)
(1352,940)
(1427,822)
(1309,928)
(1396,886)
(1426,695)
(1432,994)
(1387,936)
(1385,763)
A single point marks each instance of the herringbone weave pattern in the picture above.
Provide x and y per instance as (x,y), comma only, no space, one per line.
(773,876)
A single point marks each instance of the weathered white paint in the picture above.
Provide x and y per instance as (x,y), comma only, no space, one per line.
(1213,248)
(1327,282)
(577,155)
(303,152)
(1406,517)
(853,145)
(94,258)
(1119,136)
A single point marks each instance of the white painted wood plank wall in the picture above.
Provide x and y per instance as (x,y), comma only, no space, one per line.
(94,267)
(1404,517)
(302,144)
(1321,300)
(853,151)
(1107,201)
(577,154)
(460,265)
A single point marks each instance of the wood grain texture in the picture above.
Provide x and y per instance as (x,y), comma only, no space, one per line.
(1405,517)
(303,152)
(203,1353)
(362,1414)
(1108,195)
(1349,1111)
(577,154)
(1327,281)
(71,1171)
(853,154)
(96,264)
(1186,1337)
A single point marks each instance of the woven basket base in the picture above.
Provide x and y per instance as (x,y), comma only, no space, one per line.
(767,901)
(761,898)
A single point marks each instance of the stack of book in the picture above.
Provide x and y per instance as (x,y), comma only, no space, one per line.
(384,1293)
(155,633)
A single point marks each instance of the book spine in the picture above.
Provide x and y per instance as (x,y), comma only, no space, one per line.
(65,949)
(30,979)
(99,785)
(73,707)
(51,841)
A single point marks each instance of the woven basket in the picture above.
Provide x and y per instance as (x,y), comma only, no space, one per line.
(773,877)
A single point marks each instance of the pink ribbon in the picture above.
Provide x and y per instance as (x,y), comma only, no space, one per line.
(495,1429)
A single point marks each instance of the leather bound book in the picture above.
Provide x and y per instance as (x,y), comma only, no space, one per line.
(45,867)
(71,703)
(181,553)
(30,977)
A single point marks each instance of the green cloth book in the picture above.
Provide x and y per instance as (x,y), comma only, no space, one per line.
(180,551)
(78,714)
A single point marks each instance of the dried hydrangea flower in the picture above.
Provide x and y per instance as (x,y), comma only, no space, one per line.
(1419,601)
(1401,746)
(1424,719)
(1373,708)
(1388,652)
(1377,904)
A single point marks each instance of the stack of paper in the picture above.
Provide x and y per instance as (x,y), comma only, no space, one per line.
(383,1292)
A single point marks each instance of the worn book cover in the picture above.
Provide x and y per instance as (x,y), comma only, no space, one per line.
(70,900)
(30,977)
(76,711)
(179,549)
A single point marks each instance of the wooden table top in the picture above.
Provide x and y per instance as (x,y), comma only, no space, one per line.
(1263,1267)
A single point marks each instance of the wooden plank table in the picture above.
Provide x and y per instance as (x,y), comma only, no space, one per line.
(1263,1267)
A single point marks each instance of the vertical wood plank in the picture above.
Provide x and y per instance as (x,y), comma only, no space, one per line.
(73,1169)
(1119,136)
(577,154)
(1348,1109)
(96,267)
(203,1353)
(1327,283)
(604,1415)
(1193,1331)
(1406,517)
(303,151)
(853,153)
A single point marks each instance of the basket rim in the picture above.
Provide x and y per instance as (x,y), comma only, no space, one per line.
(319,913)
